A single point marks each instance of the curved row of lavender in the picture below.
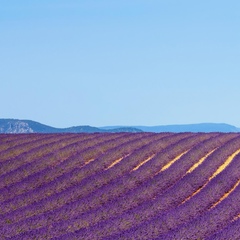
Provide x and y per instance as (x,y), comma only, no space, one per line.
(120,186)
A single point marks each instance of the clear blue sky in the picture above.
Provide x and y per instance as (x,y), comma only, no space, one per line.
(120,62)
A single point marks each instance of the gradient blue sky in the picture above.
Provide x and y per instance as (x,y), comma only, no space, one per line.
(120,62)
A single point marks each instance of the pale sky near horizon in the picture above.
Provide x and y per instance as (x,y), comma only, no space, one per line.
(120,62)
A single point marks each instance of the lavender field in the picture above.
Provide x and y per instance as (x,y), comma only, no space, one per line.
(120,186)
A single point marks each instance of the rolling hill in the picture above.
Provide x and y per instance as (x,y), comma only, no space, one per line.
(201,127)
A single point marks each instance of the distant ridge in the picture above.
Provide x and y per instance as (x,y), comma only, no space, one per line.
(199,127)
(29,126)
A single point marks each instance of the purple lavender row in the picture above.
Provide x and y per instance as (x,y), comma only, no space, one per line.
(44,148)
(36,159)
(24,147)
(13,140)
(39,178)
(9,138)
(171,218)
(33,145)
(209,222)
(127,216)
(29,156)
(77,207)
(27,146)
(131,142)
(53,187)
(231,231)
(4,137)
(15,160)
